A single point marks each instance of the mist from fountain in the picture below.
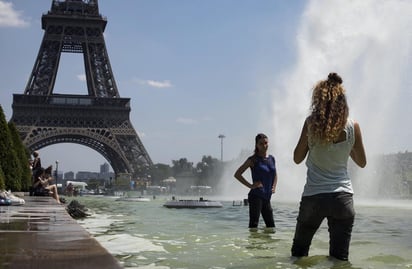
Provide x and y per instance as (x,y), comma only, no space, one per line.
(369,43)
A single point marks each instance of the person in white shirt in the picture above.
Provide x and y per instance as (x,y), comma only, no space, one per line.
(328,138)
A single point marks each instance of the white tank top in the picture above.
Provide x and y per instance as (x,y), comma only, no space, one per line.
(327,165)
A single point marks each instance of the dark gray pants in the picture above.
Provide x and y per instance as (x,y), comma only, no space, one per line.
(257,206)
(339,211)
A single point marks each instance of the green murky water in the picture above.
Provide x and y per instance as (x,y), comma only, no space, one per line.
(148,235)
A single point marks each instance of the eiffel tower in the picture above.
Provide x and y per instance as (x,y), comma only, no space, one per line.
(99,120)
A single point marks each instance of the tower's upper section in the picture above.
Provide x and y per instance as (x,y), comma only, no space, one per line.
(75,7)
(73,26)
(62,10)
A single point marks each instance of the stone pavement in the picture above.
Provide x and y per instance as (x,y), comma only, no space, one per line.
(41,234)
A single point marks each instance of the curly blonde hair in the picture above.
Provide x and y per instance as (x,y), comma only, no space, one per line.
(329,110)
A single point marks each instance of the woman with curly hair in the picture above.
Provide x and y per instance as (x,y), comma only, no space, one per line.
(328,138)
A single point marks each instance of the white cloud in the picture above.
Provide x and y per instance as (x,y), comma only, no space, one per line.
(187,121)
(159,84)
(10,17)
(81,77)
(154,83)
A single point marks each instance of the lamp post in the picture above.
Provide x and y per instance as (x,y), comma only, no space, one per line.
(221,146)
(57,175)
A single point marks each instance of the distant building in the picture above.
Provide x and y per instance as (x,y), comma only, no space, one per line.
(109,176)
(104,168)
(69,175)
(105,172)
(85,175)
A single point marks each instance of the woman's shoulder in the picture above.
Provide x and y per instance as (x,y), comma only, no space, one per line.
(251,158)
(352,124)
(352,121)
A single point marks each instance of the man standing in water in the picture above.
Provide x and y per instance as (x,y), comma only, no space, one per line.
(328,137)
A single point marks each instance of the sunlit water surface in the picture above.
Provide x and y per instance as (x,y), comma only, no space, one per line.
(148,235)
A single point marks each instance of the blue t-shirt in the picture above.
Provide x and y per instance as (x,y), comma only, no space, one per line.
(263,170)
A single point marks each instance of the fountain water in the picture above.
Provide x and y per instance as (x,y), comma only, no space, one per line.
(369,43)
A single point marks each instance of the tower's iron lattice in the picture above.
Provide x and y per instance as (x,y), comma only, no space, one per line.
(99,120)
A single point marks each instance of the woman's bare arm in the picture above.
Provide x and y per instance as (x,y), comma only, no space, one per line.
(302,147)
(238,174)
(275,182)
(358,151)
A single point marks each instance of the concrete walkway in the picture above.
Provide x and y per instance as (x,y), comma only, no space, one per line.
(41,234)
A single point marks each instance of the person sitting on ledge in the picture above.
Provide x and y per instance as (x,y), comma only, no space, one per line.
(43,181)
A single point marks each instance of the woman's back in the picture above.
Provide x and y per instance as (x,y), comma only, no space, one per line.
(327,165)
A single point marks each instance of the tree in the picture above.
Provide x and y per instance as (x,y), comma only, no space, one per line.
(8,156)
(182,166)
(2,179)
(158,172)
(209,171)
(22,156)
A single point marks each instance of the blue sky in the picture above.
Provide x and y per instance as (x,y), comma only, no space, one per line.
(196,69)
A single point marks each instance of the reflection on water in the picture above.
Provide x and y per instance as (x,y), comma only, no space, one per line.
(148,235)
